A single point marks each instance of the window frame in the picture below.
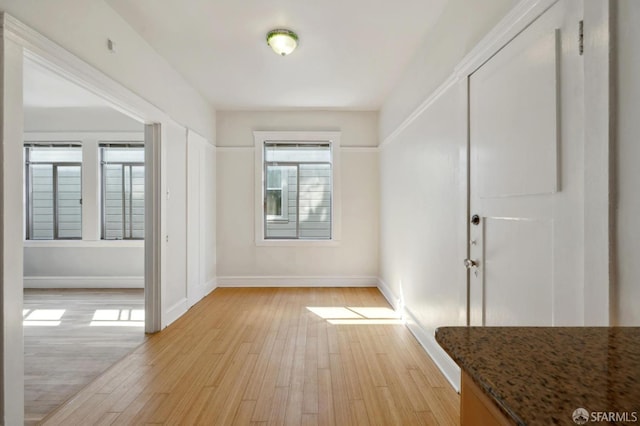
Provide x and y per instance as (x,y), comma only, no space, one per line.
(28,188)
(261,138)
(103,192)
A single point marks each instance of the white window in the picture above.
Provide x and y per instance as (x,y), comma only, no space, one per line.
(297,187)
(53,186)
(122,170)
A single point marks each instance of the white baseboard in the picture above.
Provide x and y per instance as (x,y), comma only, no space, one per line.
(174,312)
(83,282)
(209,286)
(297,281)
(428,341)
(425,337)
(392,298)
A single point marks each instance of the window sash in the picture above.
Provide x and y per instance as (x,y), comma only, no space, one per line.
(56,201)
(127,201)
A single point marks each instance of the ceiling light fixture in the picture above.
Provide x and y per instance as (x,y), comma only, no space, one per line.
(282,41)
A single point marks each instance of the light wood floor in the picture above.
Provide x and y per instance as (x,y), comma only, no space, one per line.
(63,350)
(260,356)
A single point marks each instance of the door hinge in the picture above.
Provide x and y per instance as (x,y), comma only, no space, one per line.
(581,37)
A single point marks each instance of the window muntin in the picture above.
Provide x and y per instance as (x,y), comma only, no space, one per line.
(122,175)
(53,177)
(305,174)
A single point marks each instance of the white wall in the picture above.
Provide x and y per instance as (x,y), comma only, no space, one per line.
(354,260)
(82,266)
(78,119)
(628,208)
(82,27)
(462,24)
(423,168)
(423,216)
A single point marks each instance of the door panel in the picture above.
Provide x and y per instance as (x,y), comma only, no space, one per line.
(519,148)
(525,116)
(175,296)
(195,290)
(508,244)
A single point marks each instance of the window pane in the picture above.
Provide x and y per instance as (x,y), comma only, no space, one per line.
(69,202)
(113,206)
(274,202)
(137,202)
(315,201)
(127,201)
(123,200)
(55,154)
(281,222)
(298,153)
(123,154)
(54,192)
(274,177)
(41,202)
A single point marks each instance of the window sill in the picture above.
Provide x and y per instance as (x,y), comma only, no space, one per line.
(297,243)
(83,243)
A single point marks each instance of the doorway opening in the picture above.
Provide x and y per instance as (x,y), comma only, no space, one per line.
(84,228)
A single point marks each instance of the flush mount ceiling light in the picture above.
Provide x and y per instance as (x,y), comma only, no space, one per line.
(282,41)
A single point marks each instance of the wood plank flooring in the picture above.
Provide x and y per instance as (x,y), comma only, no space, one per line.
(71,337)
(299,356)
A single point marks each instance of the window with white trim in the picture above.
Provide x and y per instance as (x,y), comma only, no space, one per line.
(53,186)
(122,172)
(297,188)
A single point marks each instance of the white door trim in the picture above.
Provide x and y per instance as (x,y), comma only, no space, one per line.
(11,232)
(153,229)
(600,307)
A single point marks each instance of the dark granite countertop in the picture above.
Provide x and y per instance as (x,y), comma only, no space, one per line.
(540,375)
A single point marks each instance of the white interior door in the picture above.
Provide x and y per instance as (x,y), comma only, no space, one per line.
(526,161)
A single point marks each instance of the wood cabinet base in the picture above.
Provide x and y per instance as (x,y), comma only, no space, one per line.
(476,408)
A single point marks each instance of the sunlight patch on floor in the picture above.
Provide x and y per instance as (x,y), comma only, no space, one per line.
(118,318)
(348,315)
(42,317)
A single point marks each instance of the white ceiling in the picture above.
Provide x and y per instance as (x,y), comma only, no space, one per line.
(350,55)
